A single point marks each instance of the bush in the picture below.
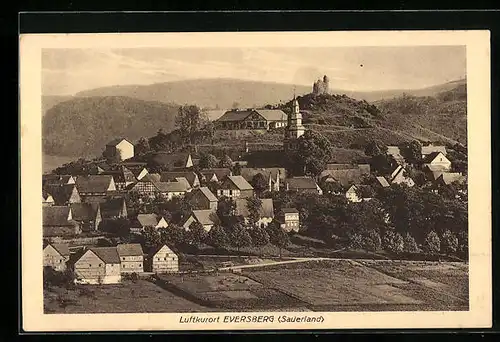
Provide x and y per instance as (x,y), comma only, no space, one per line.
(393,242)
(371,241)
(463,241)
(449,242)
(410,245)
(432,243)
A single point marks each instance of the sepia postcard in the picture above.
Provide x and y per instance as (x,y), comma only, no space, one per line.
(277,180)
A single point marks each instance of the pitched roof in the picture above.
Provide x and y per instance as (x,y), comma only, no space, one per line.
(120,174)
(172,175)
(57,216)
(234,115)
(55,179)
(83,211)
(172,186)
(435,168)
(433,148)
(451,177)
(382,181)
(207,193)
(112,207)
(153,250)
(107,254)
(266,209)
(240,182)
(116,141)
(147,220)
(289,210)
(61,248)
(249,172)
(345,177)
(205,217)
(272,114)
(93,183)
(61,193)
(431,156)
(172,160)
(301,183)
(364,168)
(129,249)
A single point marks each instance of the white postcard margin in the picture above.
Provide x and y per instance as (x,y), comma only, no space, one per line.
(477,43)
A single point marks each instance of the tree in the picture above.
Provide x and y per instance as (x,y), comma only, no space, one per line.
(393,242)
(375,148)
(355,241)
(432,243)
(371,240)
(463,241)
(259,183)
(196,235)
(142,147)
(279,238)
(449,242)
(259,236)
(218,237)
(226,209)
(190,121)
(312,154)
(254,206)
(208,161)
(381,164)
(119,226)
(239,237)
(151,237)
(412,152)
(410,245)
(172,236)
(226,162)
(237,169)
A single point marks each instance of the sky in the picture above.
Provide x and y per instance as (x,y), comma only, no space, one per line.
(68,71)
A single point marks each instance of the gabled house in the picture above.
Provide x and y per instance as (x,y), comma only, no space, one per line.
(87,215)
(365,169)
(173,161)
(190,176)
(122,176)
(215,174)
(58,221)
(289,219)
(252,119)
(138,169)
(359,193)
(426,150)
(398,176)
(98,265)
(63,194)
(150,185)
(95,185)
(437,161)
(52,179)
(274,176)
(207,218)
(162,259)
(147,220)
(203,199)
(266,211)
(131,257)
(447,178)
(120,149)
(235,187)
(114,207)
(47,198)
(345,177)
(303,185)
(56,256)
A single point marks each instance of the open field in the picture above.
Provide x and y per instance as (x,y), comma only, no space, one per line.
(127,297)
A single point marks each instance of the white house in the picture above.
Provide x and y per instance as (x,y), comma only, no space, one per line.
(163,260)
(207,218)
(98,265)
(120,148)
(437,161)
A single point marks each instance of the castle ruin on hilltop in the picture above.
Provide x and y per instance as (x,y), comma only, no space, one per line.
(321,86)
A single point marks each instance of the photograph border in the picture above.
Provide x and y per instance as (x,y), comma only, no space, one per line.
(479,147)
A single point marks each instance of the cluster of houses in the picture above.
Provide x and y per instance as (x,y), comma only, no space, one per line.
(73,204)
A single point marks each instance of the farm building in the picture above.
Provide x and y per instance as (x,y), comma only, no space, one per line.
(207,218)
(235,187)
(88,215)
(173,161)
(399,176)
(202,198)
(274,176)
(131,257)
(112,208)
(58,221)
(63,194)
(147,220)
(252,119)
(359,193)
(162,259)
(95,185)
(437,161)
(190,176)
(303,185)
(56,256)
(98,265)
(51,179)
(215,174)
(266,211)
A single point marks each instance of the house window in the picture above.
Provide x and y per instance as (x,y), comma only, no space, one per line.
(165,259)
(140,265)
(100,265)
(90,265)
(123,258)
(158,259)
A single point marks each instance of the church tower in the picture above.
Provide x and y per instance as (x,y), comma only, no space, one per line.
(294,128)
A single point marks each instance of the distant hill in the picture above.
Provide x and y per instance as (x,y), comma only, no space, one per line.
(81,127)
(49,101)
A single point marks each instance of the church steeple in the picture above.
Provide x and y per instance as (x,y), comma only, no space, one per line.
(294,128)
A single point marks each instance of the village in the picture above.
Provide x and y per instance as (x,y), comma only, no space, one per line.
(123,217)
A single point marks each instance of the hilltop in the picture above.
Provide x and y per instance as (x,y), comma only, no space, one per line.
(81,127)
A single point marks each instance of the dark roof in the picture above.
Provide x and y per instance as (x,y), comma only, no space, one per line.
(240,182)
(451,177)
(61,193)
(107,254)
(265,158)
(220,173)
(112,207)
(272,114)
(120,174)
(248,172)
(61,248)
(364,168)
(345,177)
(301,183)
(129,249)
(382,181)
(430,157)
(433,148)
(93,183)
(147,220)
(171,160)
(117,141)
(234,115)
(289,210)
(172,175)
(207,193)
(57,216)
(172,186)
(240,115)
(83,211)
(153,250)
(55,179)
(205,217)
(266,209)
